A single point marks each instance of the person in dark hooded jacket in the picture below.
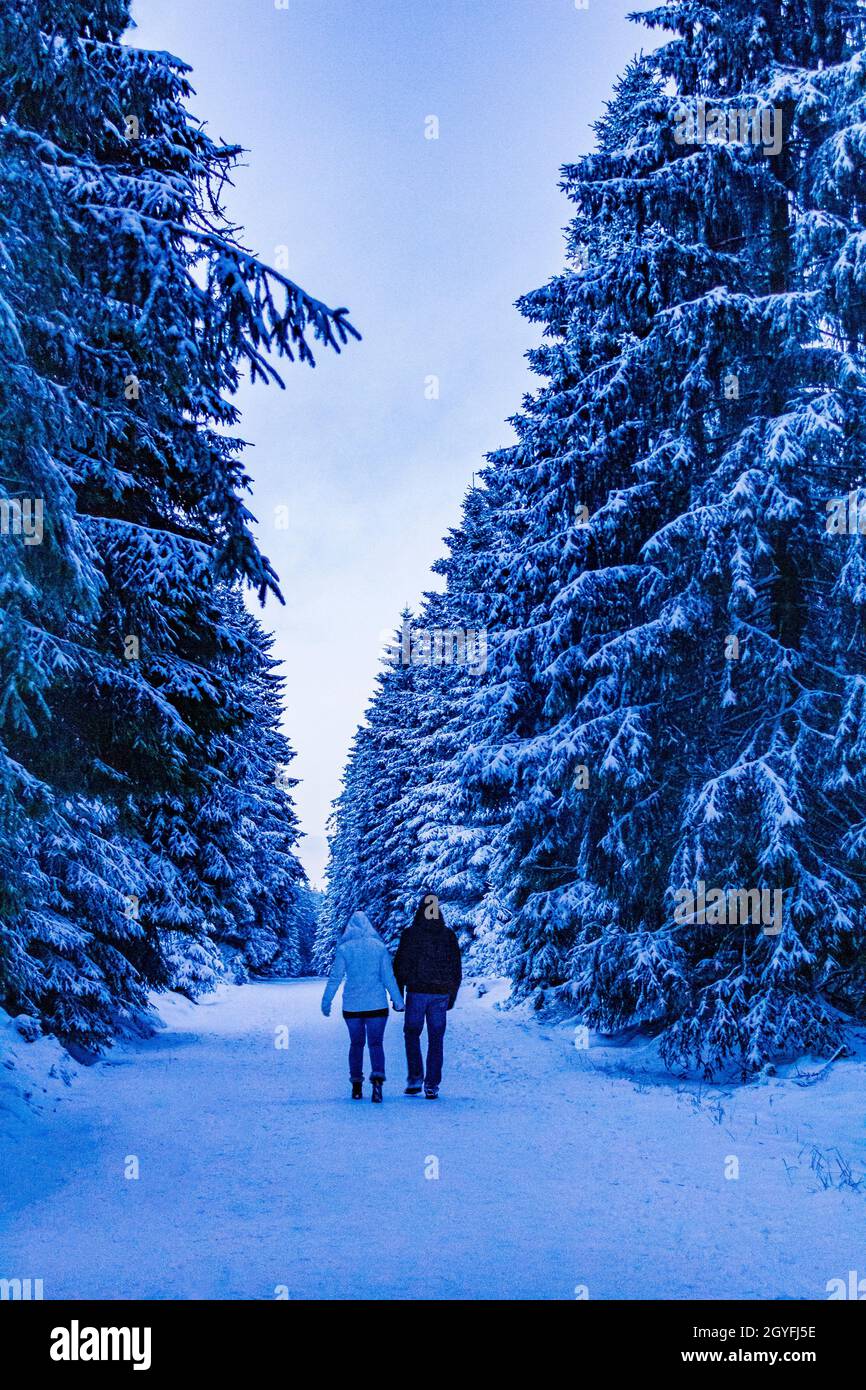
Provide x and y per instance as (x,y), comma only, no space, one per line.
(428,966)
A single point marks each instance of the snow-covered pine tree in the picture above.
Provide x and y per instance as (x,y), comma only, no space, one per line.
(370,843)
(230,859)
(401,826)
(452,839)
(683,684)
(349,822)
(262,814)
(310,904)
(128,309)
(524,764)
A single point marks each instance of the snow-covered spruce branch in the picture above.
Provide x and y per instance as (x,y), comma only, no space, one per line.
(304,309)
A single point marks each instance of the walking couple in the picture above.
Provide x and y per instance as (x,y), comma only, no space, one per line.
(427,966)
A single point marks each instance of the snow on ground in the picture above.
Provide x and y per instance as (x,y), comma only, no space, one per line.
(33,1074)
(558,1171)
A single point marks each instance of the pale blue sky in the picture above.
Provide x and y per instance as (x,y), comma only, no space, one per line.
(429,242)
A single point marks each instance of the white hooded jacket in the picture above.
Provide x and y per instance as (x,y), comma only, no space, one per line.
(362,959)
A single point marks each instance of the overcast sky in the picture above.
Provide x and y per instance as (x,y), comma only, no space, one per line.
(429,242)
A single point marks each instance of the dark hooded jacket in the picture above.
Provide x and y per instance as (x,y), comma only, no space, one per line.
(428,958)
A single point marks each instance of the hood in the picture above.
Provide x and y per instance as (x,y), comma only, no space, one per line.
(358,926)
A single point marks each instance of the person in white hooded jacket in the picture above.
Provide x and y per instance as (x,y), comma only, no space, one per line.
(362,960)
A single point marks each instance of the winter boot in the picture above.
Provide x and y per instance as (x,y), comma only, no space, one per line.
(413,1088)
(431,1092)
(357,1090)
(377,1093)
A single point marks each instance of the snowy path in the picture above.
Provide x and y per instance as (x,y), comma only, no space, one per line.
(256,1171)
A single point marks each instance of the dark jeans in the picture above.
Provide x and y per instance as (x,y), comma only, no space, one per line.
(373,1029)
(431,1009)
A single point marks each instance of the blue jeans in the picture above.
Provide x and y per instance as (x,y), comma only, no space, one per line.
(373,1029)
(432,1009)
